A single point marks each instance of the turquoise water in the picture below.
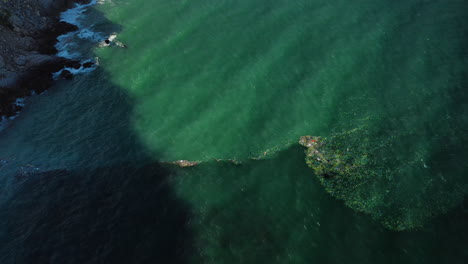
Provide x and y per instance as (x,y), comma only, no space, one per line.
(206,80)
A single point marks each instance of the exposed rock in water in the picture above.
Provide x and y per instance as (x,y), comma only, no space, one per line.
(88,64)
(73,65)
(184,163)
(187,163)
(66,74)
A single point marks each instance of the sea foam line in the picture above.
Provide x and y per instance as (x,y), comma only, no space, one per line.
(72,15)
(66,44)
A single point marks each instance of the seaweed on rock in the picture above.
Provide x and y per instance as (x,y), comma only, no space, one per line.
(371,171)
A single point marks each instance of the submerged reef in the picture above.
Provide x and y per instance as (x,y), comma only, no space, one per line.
(374,176)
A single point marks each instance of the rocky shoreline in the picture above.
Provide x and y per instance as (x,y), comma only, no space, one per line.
(28,34)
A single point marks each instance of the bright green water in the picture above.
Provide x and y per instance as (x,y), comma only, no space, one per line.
(204,80)
(229,79)
(239,79)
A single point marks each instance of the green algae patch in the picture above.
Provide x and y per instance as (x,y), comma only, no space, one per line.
(402,194)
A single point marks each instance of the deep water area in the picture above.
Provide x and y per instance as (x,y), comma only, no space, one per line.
(85,173)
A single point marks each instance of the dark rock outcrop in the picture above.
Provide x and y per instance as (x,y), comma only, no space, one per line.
(28,34)
(66,74)
(88,64)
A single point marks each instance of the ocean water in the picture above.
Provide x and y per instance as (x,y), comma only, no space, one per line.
(84,173)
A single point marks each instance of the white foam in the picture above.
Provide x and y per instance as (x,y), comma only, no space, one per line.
(111,41)
(89,34)
(20,102)
(65,45)
(73,15)
(112,37)
(81,70)
(66,48)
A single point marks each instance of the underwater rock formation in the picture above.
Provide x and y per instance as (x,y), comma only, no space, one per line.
(367,174)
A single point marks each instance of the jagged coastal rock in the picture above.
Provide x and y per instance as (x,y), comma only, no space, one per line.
(28,33)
